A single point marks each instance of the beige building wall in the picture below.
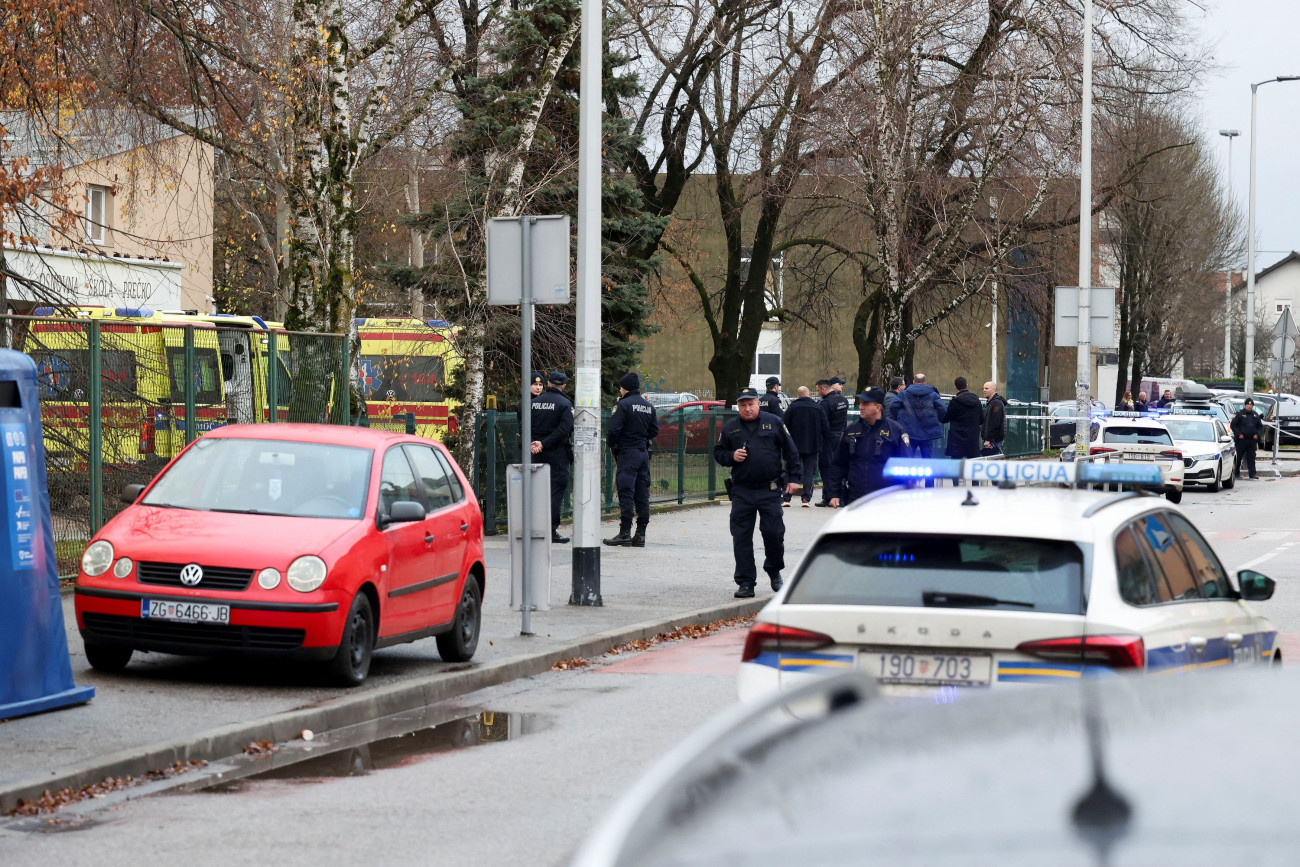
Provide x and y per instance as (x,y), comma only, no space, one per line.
(159,205)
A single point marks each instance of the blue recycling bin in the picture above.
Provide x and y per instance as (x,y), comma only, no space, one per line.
(35,671)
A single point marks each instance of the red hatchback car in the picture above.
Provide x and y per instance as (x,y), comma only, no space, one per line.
(305,541)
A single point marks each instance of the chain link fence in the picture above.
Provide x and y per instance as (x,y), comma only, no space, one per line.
(121,396)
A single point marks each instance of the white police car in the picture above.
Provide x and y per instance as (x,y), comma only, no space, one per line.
(1206,445)
(1135,438)
(986,586)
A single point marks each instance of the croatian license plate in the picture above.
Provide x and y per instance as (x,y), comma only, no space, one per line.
(1137,456)
(939,669)
(187,612)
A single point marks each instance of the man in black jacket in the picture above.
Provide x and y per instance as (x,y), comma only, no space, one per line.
(755,445)
(808,428)
(631,427)
(1247,427)
(836,407)
(964,417)
(995,420)
(771,400)
(552,428)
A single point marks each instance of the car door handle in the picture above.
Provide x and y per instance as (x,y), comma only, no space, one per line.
(1233,638)
(1198,643)
(428,537)
(464,527)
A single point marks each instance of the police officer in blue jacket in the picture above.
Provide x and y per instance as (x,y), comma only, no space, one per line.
(836,407)
(552,430)
(859,463)
(754,445)
(631,428)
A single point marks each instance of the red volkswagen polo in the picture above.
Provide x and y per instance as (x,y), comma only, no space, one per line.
(307,541)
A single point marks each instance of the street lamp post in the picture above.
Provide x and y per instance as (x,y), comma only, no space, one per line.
(1249,372)
(1083,371)
(1230,134)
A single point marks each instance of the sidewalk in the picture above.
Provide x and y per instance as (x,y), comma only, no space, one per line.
(165,705)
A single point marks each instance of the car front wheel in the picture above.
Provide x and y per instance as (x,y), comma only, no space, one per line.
(108,657)
(1218,473)
(459,644)
(351,663)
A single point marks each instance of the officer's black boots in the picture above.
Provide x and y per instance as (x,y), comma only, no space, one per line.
(638,541)
(776,580)
(745,591)
(557,539)
(624,536)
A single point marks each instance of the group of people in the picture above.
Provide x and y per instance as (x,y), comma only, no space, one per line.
(1128,404)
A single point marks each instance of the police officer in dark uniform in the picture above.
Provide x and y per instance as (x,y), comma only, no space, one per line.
(552,428)
(771,400)
(755,445)
(858,467)
(631,428)
(836,407)
(1247,427)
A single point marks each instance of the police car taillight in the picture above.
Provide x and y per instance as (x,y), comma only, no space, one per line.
(1113,651)
(771,638)
(1101,450)
(1172,453)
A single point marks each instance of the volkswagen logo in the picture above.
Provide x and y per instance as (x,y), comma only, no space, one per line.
(191,574)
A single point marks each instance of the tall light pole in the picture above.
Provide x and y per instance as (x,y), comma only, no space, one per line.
(1230,134)
(587,444)
(1083,406)
(1250,241)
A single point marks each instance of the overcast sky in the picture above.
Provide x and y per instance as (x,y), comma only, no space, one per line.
(1254,40)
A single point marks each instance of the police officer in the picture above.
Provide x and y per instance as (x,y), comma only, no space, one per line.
(1247,427)
(858,467)
(836,407)
(552,427)
(771,400)
(755,445)
(631,428)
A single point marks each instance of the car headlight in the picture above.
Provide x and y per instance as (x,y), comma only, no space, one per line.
(97,558)
(123,567)
(268,579)
(306,573)
(1205,457)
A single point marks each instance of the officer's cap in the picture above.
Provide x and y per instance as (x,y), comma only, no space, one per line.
(747,394)
(536,380)
(872,395)
(630,381)
(555,377)
(772,380)
(834,380)
(1249,402)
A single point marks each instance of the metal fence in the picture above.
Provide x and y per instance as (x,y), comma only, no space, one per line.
(122,396)
(682,469)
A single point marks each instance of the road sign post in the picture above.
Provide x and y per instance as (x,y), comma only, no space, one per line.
(527,264)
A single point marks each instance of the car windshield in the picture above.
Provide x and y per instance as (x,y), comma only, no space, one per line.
(1138,436)
(267,477)
(938,571)
(1200,431)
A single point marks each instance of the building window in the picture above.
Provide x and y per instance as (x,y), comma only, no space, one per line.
(1282,305)
(96,213)
(767,363)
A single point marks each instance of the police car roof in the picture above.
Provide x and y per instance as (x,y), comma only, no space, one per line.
(1034,511)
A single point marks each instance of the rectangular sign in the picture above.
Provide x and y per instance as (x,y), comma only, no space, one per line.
(549,258)
(1052,472)
(1102,313)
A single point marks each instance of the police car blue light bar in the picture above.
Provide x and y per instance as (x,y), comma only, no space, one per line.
(1022,472)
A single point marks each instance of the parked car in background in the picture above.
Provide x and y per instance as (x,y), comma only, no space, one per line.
(1265,405)
(663,400)
(699,420)
(1060,431)
(1288,418)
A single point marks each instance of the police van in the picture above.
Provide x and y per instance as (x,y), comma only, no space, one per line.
(1033,578)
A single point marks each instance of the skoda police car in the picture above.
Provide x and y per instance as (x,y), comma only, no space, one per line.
(1135,438)
(1206,445)
(1007,584)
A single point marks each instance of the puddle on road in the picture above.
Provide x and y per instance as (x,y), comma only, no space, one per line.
(398,750)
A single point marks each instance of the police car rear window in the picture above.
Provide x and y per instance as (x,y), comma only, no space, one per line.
(942,571)
(1140,436)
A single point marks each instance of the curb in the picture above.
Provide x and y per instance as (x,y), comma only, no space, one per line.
(230,740)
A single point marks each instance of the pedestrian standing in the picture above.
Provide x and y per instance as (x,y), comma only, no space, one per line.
(771,399)
(552,431)
(965,419)
(763,461)
(894,398)
(1141,405)
(858,468)
(1165,399)
(631,428)
(1247,427)
(920,413)
(995,420)
(836,407)
(809,429)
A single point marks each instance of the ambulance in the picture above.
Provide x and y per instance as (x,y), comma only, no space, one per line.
(405,366)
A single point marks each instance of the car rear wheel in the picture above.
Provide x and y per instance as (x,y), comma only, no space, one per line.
(1174,497)
(1218,474)
(351,663)
(108,657)
(459,644)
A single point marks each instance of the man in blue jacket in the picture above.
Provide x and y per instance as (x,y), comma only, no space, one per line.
(920,414)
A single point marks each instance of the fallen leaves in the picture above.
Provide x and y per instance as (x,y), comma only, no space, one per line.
(261,748)
(570,664)
(682,633)
(49,802)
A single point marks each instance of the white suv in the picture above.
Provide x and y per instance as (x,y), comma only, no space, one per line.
(1130,437)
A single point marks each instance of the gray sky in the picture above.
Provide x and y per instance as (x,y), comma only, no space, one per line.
(1254,40)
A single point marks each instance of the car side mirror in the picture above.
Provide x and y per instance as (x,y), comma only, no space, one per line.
(1255,587)
(404,512)
(1225,439)
(131,493)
